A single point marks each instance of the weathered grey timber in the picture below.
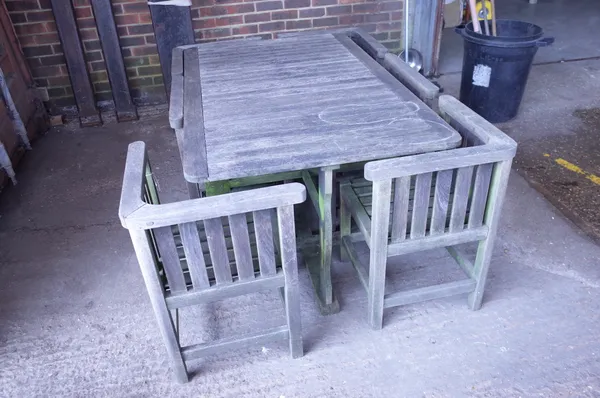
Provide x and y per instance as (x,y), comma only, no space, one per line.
(171,245)
(443,181)
(248,111)
(304,102)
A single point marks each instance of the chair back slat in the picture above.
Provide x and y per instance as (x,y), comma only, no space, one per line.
(460,199)
(263,229)
(420,208)
(170,260)
(400,210)
(218,250)
(441,199)
(481,187)
(240,237)
(194,255)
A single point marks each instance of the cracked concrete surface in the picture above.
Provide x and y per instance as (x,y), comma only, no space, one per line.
(75,319)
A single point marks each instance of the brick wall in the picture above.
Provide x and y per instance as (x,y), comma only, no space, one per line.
(212,20)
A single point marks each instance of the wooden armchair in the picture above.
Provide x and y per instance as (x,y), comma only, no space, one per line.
(204,250)
(426,201)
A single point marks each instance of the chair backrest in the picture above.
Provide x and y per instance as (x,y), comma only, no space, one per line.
(202,243)
(444,192)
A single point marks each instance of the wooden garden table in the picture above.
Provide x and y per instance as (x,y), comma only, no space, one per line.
(259,108)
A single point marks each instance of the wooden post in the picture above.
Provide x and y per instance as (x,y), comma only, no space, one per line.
(78,73)
(107,30)
(172,28)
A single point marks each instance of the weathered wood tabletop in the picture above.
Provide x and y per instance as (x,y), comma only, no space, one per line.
(270,106)
(248,108)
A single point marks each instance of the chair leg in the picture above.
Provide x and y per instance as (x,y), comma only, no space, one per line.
(345,226)
(498,185)
(292,311)
(166,325)
(287,238)
(378,253)
(480,271)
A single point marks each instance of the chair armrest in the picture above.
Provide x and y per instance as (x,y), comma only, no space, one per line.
(436,161)
(463,119)
(413,80)
(137,214)
(368,43)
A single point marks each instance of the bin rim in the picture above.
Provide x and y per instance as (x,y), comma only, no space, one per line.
(534,40)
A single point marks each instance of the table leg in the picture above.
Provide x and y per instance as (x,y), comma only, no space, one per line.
(319,266)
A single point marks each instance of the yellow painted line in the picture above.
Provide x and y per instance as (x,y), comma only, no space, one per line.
(575,169)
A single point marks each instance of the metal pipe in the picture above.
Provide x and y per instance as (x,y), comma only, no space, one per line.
(406,31)
(6,164)
(13,113)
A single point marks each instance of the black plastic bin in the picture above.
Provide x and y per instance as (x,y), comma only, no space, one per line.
(495,68)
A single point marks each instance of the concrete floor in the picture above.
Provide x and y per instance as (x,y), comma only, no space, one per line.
(76,320)
(559,118)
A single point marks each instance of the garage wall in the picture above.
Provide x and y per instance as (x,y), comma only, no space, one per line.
(212,20)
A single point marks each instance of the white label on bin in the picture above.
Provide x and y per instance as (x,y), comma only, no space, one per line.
(481,75)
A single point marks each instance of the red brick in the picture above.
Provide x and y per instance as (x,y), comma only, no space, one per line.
(147,50)
(365,8)
(18,17)
(381,36)
(52,60)
(149,70)
(92,45)
(83,12)
(28,41)
(134,8)
(216,11)
(150,39)
(383,27)
(391,6)
(215,33)
(351,1)
(88,34)
(296,3)
(127,19)
(286,14)
(57,48)
(37,51)
(22,5)
(45,4)
(323,22)
(245,30)
(117,9)
(122,31)
(86,23)
(49,38)
(339,10)
(101,87)
(396,16)
(312,13)
(78,3)
(132,41)
(269,5)
(228,21)
(352,19)
(271,26)
(51,26)
(259,17)
(140,29)
(204,23)
(58,81)
(324,2)
(30,29)
(377,17)
(94,56)
(145,18)
(302,24)
(46,71)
